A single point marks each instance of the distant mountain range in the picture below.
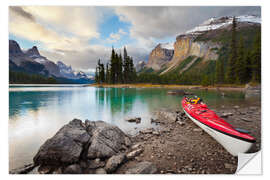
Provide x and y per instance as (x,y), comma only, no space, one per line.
(31,62)
(198,47)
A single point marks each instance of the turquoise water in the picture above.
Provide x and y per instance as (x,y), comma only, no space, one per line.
(37,112)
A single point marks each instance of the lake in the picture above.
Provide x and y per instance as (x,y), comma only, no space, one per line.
(36,112)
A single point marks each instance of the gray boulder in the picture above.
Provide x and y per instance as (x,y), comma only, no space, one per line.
(144,167)
(65,147)
(107,140)
(100,171)
(113,162)
(73,169)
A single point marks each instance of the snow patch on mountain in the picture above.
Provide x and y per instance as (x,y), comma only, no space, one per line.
(68,72)
(216,23)
(167,46)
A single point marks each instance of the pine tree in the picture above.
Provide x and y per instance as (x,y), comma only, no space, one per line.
(233,55)
(120,69)
(113,67)
(240,65)
(126,67)
(107,74)
(248,62)
(256,59)
(219,75)
(96,75)
(102,73)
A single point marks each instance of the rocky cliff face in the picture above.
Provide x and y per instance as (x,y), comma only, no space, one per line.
(159,56)
(140,66)
(33,52)
(14,48)
(185,46)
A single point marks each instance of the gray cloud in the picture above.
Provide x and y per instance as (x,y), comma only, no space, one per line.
(162,22)
(19,11)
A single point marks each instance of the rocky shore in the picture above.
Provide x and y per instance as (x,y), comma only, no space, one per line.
(176,146)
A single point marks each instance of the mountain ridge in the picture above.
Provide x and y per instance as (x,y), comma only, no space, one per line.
(201,41)
(32,62)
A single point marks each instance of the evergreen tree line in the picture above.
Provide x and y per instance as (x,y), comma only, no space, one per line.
(118,70)
(24,78)
(244,65)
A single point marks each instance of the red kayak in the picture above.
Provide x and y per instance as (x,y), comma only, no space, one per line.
(234,140)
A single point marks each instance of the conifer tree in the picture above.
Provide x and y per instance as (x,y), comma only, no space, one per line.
(256,59)
(107,74)
(240,65)
(233,55)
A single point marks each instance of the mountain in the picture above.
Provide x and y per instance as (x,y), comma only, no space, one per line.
(200,47)
(31,62)
(159,56)
(140,65)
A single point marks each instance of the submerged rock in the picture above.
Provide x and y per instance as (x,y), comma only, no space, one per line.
(144,167)
(136,120)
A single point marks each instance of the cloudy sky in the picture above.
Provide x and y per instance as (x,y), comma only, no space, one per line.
(79,36)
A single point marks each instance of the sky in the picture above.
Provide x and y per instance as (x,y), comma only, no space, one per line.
(80,35)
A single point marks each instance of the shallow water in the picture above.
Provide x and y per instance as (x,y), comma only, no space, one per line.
(37,112)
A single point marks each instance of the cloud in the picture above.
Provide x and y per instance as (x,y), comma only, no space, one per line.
(149,24)
(63,32)
(114,37)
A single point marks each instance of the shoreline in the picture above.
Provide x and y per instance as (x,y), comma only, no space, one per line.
(175,86)
(178,146)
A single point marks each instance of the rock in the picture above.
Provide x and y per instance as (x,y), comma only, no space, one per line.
(134,153)
(170,116)
(34,171)
(57,171)
(45,169)
(156,133)
(229,166)
(147,131)
(127,141)
(179,92)
(23,170)
(73,169)
(245,119)
(107,140)
(135,146)
(142,168)
(136,120)
(96,163)
(181,123)
(236,107)
(197,130)
(65,147)
(100,171)
(225,115)
(113,162)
